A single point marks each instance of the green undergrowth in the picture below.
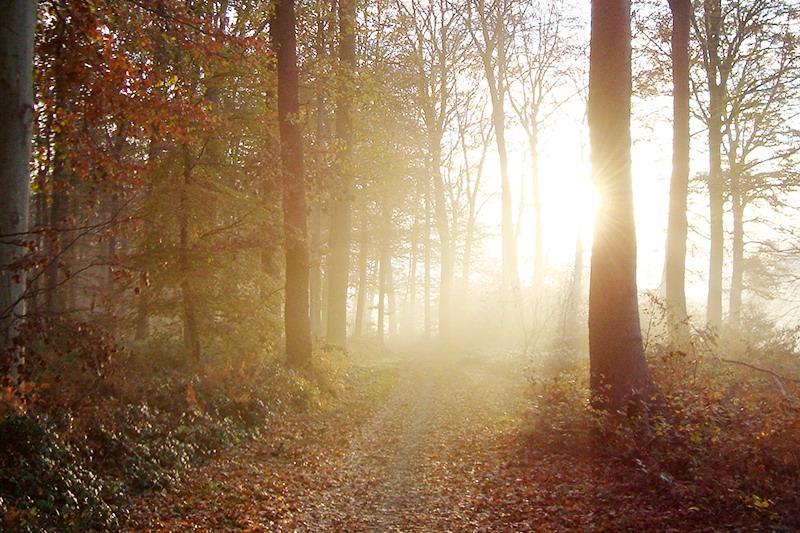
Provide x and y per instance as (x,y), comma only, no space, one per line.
(73,456)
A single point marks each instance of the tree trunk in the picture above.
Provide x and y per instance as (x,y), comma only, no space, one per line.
(538,246)
(385,264)
(677,227)
(339,259)
(316,303)
(392,300)
(408,323)
(16,115)
(445,251)
(572,327)
(716,89)
(315,272)
(361,298)
(618,367)
(494,65)
(427,258)
(510,274)
(737,272)
(191,340)
(297,323)
(59,208)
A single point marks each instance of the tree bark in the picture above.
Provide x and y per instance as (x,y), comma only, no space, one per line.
(716,89)
(677,227)
(619,370)
(16,115)
(538,241)
(385,264)
(339,258)
(191,339)
(361,298)
(446,261)
(737,264)
(572,327)
(493,58)
(427,259)
(297,323)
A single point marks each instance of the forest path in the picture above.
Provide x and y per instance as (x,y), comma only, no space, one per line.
(412,461)
(407,467)
(430,444)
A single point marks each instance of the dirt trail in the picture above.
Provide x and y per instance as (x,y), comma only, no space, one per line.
(412,464)
(430,444)
(398,474)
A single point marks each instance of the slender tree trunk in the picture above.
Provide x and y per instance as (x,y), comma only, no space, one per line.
(315,272)
(142,330)
(53,300)
(510,278)
(496,80)
(716,191)
(297,323)
(472,215)
(339,259)
(16,115)
(572,327)
(361,298)
(409,321)
(677,227)
(427,258)
(445,251)
(316,303)
(392,300)
(538,241)
(618,367)
(737,272)
(191,340)
(385,264)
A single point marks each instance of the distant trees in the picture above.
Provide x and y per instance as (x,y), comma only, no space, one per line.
(749,59)
(16,113)
(618,366)
(490,28)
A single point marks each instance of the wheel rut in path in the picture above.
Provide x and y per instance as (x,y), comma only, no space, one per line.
(399,471)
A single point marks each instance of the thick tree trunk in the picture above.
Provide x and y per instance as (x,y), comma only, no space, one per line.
(339,259)
(297,323)
(677,227)
(16,115)
(716,89)
(618,366)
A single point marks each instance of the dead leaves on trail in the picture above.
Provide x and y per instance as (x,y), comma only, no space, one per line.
(440,450)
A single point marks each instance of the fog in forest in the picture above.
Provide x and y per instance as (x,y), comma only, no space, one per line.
(399,265)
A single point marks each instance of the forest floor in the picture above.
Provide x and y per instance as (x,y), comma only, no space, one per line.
(425,444)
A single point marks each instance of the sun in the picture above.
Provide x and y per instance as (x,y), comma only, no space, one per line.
(568,204)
